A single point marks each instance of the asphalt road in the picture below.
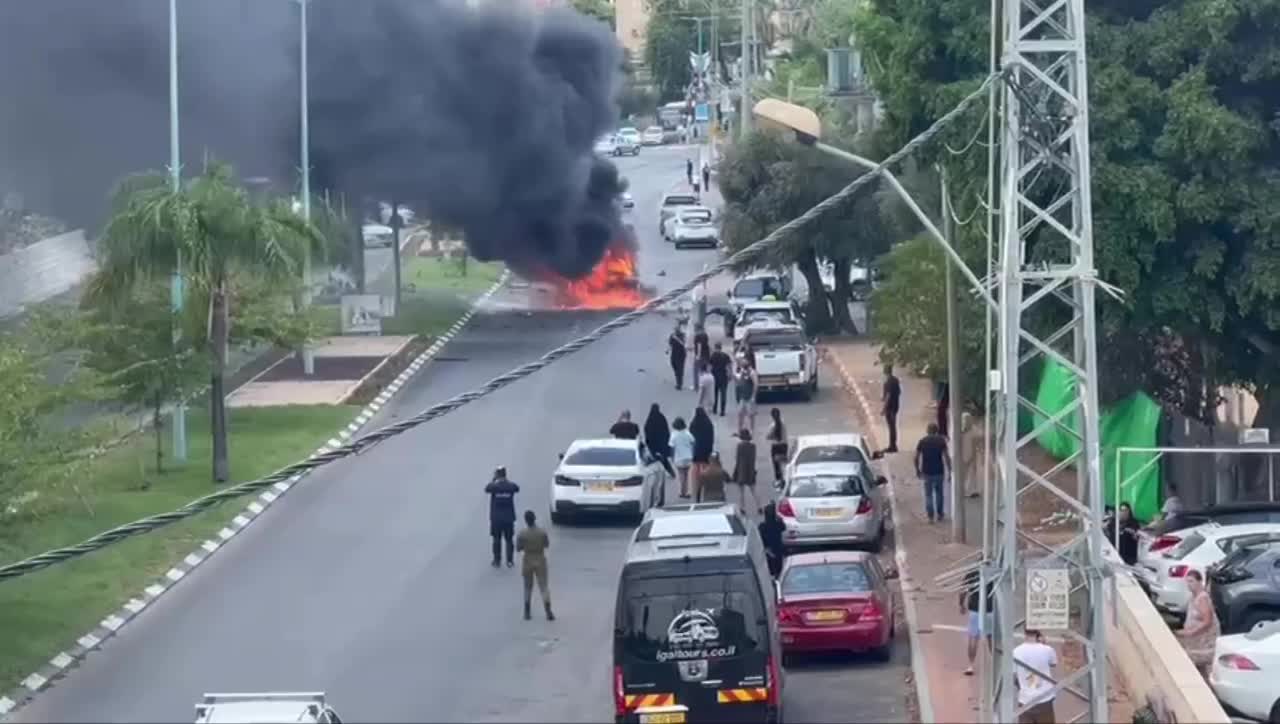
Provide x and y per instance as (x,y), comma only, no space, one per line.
(371,580)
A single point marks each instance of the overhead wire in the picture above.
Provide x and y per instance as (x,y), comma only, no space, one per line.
(366,442)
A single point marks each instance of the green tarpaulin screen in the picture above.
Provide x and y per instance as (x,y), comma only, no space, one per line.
(1130,423)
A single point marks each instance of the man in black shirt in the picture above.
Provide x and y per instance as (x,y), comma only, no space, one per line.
(891,397)
(978,625)
(932,463)
(502,515)
(624,428)
(720,367)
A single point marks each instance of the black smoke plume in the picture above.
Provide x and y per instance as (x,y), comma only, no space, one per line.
(479,118)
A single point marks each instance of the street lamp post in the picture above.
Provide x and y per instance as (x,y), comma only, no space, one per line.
(179,415)
(308,355)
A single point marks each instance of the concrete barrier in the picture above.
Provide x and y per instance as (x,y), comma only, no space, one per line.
(1145,652)
(44,270)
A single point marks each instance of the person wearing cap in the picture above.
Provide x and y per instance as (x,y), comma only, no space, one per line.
(502,515)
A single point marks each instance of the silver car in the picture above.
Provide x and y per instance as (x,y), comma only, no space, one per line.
(833,503)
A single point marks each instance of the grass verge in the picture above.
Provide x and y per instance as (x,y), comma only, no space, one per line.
(43,613)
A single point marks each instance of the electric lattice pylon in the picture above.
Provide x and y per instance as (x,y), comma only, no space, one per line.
(1045,280)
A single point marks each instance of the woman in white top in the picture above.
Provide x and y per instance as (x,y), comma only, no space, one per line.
(682,453)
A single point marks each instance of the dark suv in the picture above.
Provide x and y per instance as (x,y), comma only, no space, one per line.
(1245,586)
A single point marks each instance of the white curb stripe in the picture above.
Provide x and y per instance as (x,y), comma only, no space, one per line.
(240,521)
(112,623)
(34,682)
(62,660)
(89,641)
(154,590)
(173,574)
(134,605)
(256,507)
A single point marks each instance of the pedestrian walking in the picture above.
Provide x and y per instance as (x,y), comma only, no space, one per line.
(1033,662)
(657,437)
(744,469)
(1125,536)
(777,438)
(533,542)
(704,443)
(712,481)
(944,411)
(502,515)
(701,347)
(624,428)
(932,464)
(891,399)
(721,368)
(744,394)
(682,453)
(1200,629)
(688,170)
(706,386)
(676,353)
(706,175)
(979,625)
(771,530)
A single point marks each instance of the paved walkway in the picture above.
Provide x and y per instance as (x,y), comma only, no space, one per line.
(335,377)
(925,550)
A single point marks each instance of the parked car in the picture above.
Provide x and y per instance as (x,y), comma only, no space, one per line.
(693,226)
(672,203)
(1245,673)
(653,136)
(1245,586)
(785,359)
(1159,538)
(607,146)
(766,313)
(628,140)
(606,476)
(834,503)
(835,601)
(1199,549)
(757,285)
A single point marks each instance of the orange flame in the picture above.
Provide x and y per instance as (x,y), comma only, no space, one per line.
(612,284)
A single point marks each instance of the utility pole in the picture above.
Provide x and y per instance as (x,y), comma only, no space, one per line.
(308,355)
(176,291)
(396,224)
(1046,255)
(745,119)
(956,399)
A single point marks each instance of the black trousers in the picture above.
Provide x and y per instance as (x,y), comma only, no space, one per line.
(500,532)
(891,419)
(677,367)
(721,398)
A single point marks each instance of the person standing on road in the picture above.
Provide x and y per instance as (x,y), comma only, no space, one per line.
(744,394)
(721,365)
(932,463)
(706,386)
(657,437)
(978,625)
(688,170)
(706,175)
(944,410)
(704,443)
(712,481)
(533,542)
(701,346)
(771,530)
(891,398)
(502,514)
(744,469)
(682,453)
(676,352)
(1126,538)
(624,428)
(1033,663)
(777,438)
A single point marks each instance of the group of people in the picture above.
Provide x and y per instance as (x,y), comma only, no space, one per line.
(705,173)
(714,369)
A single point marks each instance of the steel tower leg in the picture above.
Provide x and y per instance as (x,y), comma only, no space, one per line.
(1046,255)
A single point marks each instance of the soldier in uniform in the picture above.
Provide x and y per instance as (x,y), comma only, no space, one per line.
(533,542)
(502,514)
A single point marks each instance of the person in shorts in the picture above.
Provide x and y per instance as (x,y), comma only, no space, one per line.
(978,625)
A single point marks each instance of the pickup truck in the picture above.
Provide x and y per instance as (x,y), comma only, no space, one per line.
(785,359)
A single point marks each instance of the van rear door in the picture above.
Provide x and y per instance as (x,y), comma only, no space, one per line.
(695,639)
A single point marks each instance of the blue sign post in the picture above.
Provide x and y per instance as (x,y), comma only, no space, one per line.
(702,113)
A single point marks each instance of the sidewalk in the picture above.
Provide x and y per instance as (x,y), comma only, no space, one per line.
(925,550)
(342,364)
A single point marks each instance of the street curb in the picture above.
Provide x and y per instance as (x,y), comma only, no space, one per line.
(919,672)
(109,626)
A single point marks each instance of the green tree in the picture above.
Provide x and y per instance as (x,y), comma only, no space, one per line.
(222,238)
(668,41)
(601,10)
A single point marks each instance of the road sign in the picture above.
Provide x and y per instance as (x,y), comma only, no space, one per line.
(700,62)
(702,112)
(1048,599)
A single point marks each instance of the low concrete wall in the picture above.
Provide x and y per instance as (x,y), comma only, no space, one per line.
(44,270)
(1145,652)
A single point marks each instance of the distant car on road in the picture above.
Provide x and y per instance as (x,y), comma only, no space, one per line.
(628,141)
(606,476)
(671,203)
(653,136)
(607,146)
(785,359)
(835,601)
(693,226)
(767,313)
(627,200)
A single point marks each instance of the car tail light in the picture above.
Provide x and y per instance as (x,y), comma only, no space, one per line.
(1178,571)
(787,615)
(785,510)
(630,482)
(870,612)
(1163,542)
(562,480)
(619,696)
(1238,662)
(773,685)
(864,505)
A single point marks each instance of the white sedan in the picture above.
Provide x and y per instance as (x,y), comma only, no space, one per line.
(1246,672)
(653,136)
(1200,548)
(606,476)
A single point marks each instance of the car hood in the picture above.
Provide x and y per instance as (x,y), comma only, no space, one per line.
(597,472)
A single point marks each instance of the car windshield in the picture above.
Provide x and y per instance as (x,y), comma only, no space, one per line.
(826,578)
(680,618)
(679,201)
(696,218)
(826,486)
(602,457)
(756,288)
(830,454)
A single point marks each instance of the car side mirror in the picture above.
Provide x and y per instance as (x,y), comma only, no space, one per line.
(877,455)
(891,574)
(560,456)
(881,480)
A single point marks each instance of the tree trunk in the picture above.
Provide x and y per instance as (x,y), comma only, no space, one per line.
(157,423)
(842,295)
(218,331)
(817,313)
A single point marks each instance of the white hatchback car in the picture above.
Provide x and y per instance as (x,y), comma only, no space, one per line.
(1245,673)
(1200,548)
(606,476)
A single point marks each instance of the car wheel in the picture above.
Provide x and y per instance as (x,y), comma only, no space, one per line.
(806,393)
(1274,717)
(883,653)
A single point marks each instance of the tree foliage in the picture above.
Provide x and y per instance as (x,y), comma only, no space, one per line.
(1186,192)
(601,10)
(669,39)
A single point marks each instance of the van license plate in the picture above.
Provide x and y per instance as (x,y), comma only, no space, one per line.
(673,717)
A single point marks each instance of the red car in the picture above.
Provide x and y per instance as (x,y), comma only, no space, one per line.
(835,601)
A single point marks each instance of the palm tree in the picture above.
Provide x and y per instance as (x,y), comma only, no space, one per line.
(211,224)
